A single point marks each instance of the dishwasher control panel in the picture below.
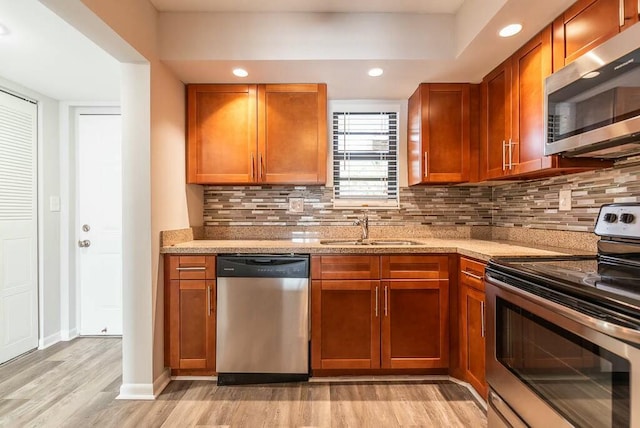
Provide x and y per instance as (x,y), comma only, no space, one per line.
(263,266)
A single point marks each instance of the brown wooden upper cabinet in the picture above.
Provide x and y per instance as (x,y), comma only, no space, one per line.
(439,133)
(587,24)
(512,122)
(262,134)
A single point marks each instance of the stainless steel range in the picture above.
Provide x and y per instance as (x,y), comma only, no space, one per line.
(563,345)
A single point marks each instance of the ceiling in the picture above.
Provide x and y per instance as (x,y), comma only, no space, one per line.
(336,42)
(45,54)
(281,41)
(387,6)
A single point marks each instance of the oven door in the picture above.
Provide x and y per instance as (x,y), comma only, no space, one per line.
(552,366)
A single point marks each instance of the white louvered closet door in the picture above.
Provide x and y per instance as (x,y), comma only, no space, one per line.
(18,227)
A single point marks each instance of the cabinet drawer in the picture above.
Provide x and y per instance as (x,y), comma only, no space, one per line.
(192,267)
(472,273)
(345,267)
(415,267)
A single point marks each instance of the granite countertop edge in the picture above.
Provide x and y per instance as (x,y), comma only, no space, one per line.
(474,248)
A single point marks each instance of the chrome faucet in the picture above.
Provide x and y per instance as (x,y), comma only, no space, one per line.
(364,224)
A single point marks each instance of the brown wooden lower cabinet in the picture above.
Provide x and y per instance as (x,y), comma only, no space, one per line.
(345,324)
(472,324)
(415,324)
(381,323)
(190,315)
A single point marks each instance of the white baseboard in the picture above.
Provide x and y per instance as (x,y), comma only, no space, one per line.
(45,342)
(161,382)
(67,335)
(136,391)
(145,391)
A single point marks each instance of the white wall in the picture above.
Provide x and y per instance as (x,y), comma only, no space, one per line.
(156,196)
(49,222)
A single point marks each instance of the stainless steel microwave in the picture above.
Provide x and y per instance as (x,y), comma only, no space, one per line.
(592,106)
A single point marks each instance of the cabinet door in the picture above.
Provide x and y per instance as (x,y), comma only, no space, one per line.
(221,134)
(292,133)
(531,65)
(473,337)
(192,324)
(584,26)
(439,134)
(345,324)
(496,121)
(415,158)
(415,324)
(448,127)
(630,13)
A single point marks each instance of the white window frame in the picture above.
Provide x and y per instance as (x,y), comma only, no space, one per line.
(364,106)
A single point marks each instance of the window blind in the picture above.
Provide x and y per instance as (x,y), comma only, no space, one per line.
(365,153)
(17,158)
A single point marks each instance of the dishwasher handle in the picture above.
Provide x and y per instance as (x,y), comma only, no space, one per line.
(263,266)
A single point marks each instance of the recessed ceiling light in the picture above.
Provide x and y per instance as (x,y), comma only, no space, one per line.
(510,30)
(591,75)
(375,72)
(3,30)
(240,72)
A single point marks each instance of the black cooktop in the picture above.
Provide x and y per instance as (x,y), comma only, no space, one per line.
(608,283)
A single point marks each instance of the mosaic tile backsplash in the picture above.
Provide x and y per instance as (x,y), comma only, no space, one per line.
(268,206)
(531,204)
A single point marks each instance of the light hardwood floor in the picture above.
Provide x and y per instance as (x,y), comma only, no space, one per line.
(74,384)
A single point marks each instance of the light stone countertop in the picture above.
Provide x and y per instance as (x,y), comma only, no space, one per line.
(474,248)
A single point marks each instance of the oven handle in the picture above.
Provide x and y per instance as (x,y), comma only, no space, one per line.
(613,330)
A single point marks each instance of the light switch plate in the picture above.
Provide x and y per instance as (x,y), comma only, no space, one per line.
(296,205)
(564,200)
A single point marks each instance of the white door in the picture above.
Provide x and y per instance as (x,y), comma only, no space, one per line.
(18,227)
(99,223)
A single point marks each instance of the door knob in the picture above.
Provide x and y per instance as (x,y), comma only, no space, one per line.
(86,228)
(84,243)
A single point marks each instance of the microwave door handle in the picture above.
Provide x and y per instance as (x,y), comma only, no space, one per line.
(608,328)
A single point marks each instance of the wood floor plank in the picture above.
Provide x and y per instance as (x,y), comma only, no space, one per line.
(75,385)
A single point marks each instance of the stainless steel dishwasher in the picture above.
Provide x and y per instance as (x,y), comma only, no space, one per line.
(262,330)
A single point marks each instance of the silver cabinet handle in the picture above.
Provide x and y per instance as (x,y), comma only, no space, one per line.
(376,301)
(426,165)
(510,155)
(84,243)
(482,330)
(261,167)
(386,311)
(191,268)
(504,155)
(209,300)
(621,12)
(253,168)
(472,275)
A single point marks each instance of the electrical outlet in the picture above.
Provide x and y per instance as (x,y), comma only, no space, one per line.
(564,200)
(296,205)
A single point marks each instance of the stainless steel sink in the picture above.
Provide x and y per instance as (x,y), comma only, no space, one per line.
(343,242)
(394,242)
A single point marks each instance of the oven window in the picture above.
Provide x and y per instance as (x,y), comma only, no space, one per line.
(585,383)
